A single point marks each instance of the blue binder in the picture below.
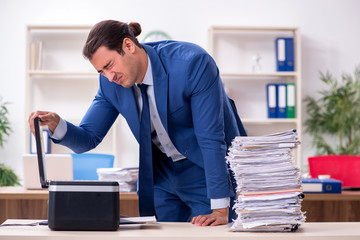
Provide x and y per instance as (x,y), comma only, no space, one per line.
(272,100)
(315,185)
(284,54)
(289,42)
(280,46)
(281,100)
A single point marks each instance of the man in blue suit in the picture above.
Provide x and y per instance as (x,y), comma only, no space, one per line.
(192,120)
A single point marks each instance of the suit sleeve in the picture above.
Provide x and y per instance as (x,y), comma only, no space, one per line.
(93,127)
(207,99)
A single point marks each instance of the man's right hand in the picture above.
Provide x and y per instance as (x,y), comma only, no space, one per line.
(49,119)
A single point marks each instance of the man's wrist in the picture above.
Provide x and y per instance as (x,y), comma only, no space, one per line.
(220,203)
(60,130)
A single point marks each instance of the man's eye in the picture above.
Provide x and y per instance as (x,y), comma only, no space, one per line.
(109,66)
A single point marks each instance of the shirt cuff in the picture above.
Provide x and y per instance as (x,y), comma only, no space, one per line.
(220,203)
(60,130)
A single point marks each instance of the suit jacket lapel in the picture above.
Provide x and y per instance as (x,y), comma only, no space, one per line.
(161,85)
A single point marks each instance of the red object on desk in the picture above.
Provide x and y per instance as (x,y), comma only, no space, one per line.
(345,168)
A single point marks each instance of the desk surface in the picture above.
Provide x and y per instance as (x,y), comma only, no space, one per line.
(174,231)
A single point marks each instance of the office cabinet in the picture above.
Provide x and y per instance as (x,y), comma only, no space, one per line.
(20,203)
(59,79)
(247,61)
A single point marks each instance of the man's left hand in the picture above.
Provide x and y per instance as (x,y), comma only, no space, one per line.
(217,217)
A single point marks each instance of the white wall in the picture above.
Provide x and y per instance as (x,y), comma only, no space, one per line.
(329,31)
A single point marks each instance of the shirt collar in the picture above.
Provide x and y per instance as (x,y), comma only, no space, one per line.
(148,79)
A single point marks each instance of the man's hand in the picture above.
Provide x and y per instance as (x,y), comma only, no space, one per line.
(217,217)
(49,119)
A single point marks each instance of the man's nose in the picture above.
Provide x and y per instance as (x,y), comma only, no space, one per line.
(109,75)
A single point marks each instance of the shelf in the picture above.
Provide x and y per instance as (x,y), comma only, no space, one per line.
(61,73)
(59,28)
(237,29)
(259,75)
(59,79)
(233,49)
(269,120)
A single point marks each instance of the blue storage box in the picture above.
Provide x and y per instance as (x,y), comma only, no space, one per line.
(315,185)
(85,165)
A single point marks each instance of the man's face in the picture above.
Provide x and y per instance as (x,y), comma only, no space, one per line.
(120,69)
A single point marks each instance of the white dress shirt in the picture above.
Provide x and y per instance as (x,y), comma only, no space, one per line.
(161,138)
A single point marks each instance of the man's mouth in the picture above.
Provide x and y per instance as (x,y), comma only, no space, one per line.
(117,79)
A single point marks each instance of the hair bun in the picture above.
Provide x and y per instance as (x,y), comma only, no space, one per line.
(135,28)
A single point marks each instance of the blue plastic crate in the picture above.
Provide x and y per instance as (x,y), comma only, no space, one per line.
(85,165)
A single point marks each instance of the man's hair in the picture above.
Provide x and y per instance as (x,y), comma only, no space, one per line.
(110,34)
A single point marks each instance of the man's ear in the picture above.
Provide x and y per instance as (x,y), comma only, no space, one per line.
(129,45)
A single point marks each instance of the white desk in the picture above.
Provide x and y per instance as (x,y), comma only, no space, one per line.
(175,231)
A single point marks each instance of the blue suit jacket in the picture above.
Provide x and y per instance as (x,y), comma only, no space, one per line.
(192,104)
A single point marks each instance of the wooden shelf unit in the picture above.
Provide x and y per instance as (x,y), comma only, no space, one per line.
(233,48)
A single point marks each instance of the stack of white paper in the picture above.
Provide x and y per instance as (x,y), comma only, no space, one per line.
(126,177)
(268,184)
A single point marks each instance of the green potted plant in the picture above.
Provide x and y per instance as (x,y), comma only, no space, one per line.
(7,175)
(334,124)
